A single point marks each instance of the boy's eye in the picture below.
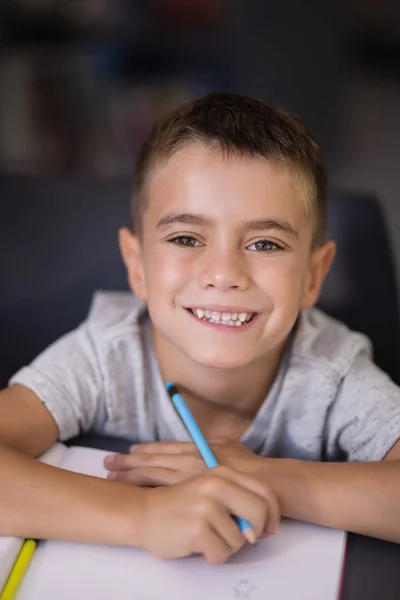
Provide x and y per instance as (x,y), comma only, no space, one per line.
(264,246)
(185,240)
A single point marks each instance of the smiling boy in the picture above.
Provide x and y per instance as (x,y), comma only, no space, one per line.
(226,258)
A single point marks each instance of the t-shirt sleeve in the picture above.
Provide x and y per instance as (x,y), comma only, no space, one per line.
(364,421)
(67,378)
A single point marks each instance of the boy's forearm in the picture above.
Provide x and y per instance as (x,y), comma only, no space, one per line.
(39,501)
(359,497)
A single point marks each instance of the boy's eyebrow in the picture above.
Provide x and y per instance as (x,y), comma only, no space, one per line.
(182,218)
(263,224)
(255,225)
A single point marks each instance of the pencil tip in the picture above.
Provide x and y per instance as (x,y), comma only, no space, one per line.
(250,536)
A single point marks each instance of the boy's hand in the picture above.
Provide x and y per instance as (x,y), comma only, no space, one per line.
(194,517)
(166,463)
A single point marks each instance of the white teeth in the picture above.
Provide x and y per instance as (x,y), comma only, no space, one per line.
(232,319)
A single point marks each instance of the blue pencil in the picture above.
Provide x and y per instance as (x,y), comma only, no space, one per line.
(204,449)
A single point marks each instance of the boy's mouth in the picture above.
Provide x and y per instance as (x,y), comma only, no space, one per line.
(229,319)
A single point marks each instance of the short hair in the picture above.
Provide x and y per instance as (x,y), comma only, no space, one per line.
(238,125)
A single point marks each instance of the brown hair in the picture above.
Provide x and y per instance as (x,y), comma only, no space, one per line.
(243,126)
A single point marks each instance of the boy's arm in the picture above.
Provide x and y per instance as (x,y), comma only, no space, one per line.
(37,500)
(363,494)
(359,497)
(26,424)
(40,501)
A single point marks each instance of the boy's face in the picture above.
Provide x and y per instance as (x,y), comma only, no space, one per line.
(224,240)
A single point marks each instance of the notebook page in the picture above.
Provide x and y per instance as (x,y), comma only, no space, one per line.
(9,550)
(303,562)
(10,546)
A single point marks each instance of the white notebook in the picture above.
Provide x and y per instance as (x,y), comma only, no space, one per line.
(303,561)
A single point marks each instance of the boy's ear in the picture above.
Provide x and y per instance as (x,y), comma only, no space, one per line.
(320,262)
(131,252)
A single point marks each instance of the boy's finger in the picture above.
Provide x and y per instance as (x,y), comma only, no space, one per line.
(274,516)
(127,462)
(214,548)
(261,488)
(228,529)
(236,497)
(245,504)
(164,447)
(150,477)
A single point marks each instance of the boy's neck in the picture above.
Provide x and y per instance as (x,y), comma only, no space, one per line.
(223,401)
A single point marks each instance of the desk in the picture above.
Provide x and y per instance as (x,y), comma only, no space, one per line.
(372,567)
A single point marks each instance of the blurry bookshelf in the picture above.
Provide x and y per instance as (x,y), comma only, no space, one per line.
(82,82)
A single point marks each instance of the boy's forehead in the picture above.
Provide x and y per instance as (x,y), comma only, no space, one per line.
(199,179)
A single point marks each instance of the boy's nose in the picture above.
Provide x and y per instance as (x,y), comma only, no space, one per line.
(224,272)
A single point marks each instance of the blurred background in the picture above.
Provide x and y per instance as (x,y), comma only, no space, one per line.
(82,81)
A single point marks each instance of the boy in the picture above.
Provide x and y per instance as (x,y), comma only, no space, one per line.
(226,260)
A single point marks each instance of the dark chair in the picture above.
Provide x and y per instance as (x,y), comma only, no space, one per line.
(58,244)
(360,288)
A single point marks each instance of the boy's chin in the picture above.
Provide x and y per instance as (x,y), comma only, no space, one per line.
(223,360)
